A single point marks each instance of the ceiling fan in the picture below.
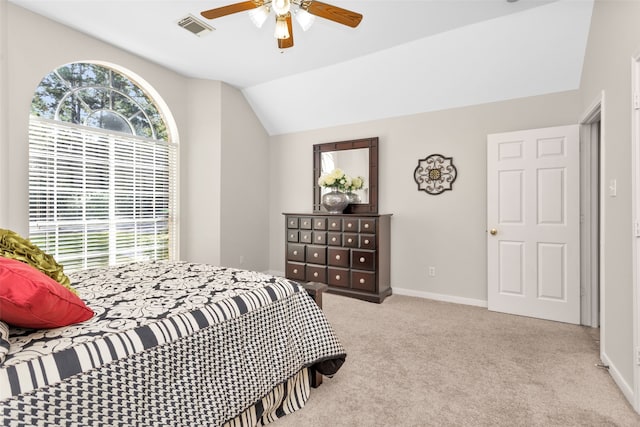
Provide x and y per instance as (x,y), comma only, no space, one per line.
(304,11)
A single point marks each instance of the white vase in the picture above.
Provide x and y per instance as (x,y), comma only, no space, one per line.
(335,201)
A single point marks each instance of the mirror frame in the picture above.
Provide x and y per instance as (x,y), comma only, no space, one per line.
(372,184)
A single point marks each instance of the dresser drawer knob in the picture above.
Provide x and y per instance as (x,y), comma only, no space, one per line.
(337,277)
(333,239)
(304,223)
(315,274)
(315,254)
(333,224)
(292,236)
(362,280)
(349,225)
(319,238)
(350,240)
(295,271)
(295,252)
(337,257)
(319,223)
(366,241)
(362,259)
(366,226)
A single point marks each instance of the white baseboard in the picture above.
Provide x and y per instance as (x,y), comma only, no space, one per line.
(419,294)
(440,297)
(626,389)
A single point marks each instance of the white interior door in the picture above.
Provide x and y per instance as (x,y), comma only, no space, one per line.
(533,214)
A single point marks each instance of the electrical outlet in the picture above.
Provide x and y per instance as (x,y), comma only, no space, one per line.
(432,272)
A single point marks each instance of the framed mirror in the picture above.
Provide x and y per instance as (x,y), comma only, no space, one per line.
(358,157)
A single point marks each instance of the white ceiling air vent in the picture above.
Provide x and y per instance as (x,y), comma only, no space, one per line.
(194,25)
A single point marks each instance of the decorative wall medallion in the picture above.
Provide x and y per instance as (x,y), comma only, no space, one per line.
(435,174)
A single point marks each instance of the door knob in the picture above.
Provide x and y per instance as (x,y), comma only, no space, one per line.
(493,231)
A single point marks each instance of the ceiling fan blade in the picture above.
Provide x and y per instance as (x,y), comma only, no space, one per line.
(285,43)
(333,13)
(231,8)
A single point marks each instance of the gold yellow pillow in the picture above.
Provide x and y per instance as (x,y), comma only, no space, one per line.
(14,246)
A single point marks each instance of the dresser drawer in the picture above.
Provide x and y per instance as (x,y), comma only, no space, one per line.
(338,257)
(368,241)
(368,225)
(350,224)
(334,224)
(316,254)
(338,277)
(334,239)
(363,280)
(320,223)
(305,223)
(319,237)
(295,252)
(350,240)
(292,235)
(292,222)
(305,236)
(316,273)
(363,260)
(295,271)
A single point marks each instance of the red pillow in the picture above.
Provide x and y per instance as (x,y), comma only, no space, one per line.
(31,299)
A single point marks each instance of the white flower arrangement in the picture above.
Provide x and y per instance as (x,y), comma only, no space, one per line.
(357,183)
(340,181)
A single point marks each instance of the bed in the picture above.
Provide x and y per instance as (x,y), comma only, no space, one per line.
(171,344)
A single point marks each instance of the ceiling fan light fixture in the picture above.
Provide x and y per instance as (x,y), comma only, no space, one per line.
(259,15)
(282,29)
(305,19)
(281,7)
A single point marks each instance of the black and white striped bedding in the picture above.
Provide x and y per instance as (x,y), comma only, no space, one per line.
(190,344)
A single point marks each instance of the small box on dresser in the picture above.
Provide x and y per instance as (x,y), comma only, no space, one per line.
(350,252)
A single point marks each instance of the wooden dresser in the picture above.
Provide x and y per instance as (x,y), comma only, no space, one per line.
(350,253)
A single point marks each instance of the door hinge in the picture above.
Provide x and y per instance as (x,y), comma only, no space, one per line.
(636,100)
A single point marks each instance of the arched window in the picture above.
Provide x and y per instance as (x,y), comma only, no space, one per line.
(102,170)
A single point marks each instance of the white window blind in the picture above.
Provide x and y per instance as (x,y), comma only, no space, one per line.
(100,198)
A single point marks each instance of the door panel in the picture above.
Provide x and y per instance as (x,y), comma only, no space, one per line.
(510,197)
(511,268)
(551,279)
(533,188)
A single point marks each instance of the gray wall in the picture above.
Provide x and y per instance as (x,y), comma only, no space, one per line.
(245,191)
(4,116)
(200,164)
(613,40)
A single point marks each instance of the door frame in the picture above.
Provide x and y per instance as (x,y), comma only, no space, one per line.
(635,196)
(591,215)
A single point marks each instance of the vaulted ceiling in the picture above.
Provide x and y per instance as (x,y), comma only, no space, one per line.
(405,57)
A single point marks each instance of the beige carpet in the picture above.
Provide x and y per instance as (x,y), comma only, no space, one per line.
(417,362)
